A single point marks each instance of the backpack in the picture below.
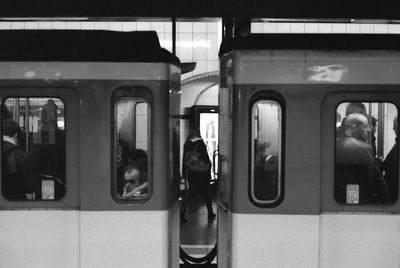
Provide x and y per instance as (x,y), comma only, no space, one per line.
(193,162)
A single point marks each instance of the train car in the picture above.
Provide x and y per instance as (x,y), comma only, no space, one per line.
(88,159)
(308,151)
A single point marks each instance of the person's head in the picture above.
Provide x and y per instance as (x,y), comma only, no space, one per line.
(132,174)
(356,126)
(395,126)
(11,129)
(5,112)
(194,132)
(136,154)
(137,166)
(357,108)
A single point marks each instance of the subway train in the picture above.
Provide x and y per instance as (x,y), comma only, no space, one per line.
(307,158)
(79,110)
(308,151)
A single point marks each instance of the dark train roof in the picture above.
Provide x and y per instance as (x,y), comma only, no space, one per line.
(82,46)
(312,42)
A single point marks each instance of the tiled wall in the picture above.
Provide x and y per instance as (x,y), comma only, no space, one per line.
(199,42)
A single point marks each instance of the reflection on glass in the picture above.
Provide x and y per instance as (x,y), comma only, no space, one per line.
(33,148)
(366,169)
(266,152)
(132,133)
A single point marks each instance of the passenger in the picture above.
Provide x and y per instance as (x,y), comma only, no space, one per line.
(352,107)
(135,176)
(390,166)
(373,138)
(355,163)
(19,182)
(6,114)
(197,173)
(266,168)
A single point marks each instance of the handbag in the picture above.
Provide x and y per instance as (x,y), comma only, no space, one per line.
(193,161)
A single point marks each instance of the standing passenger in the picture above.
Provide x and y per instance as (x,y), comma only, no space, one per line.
(198,172)
(355,163)
(19,182)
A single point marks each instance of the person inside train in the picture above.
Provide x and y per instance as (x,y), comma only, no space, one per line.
(355,164)
(135,175)
(373,121)
(265,172)
(390,166)
(352,107)
(196,169)
(19,182)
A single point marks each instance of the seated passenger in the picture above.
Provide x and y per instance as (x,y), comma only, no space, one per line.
(19,182)
(136,175)
(355,163)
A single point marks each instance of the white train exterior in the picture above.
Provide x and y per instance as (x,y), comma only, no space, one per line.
(308,77)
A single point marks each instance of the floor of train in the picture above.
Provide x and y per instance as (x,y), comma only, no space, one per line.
(199,234)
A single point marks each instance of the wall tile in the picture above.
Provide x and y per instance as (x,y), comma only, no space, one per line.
(200,43)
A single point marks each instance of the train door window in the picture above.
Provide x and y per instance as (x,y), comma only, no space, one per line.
(266,145)
(33,148)
(132,133)
(366,168)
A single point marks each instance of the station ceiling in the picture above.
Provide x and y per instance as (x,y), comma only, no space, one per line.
(122,9)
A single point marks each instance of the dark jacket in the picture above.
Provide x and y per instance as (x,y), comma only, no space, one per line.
(355,164)
(390,166)
(17,173)
(193,176)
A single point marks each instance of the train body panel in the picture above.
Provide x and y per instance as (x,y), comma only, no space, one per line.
(315,67)
(40,238)
(275,240)
(84,70)
(123,239)
(359,240)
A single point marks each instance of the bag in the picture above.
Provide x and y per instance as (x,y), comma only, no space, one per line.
(192,161)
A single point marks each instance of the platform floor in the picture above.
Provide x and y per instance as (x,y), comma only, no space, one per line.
(198,235)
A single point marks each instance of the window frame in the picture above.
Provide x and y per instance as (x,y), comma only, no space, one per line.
(45,96)
(333,95)
(276,99)
(142,95)
(369,101)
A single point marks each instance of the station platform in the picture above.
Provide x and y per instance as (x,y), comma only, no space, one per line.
(198,235)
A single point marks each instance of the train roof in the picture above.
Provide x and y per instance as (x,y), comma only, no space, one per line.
(83,46)
(312,42)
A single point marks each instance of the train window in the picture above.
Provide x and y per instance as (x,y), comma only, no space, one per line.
(366,168)
(266,134)
(132,132)
(33,149)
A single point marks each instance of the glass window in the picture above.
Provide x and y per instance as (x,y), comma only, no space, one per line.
(33,149)
(266,145)
(366,168)
(131,132)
